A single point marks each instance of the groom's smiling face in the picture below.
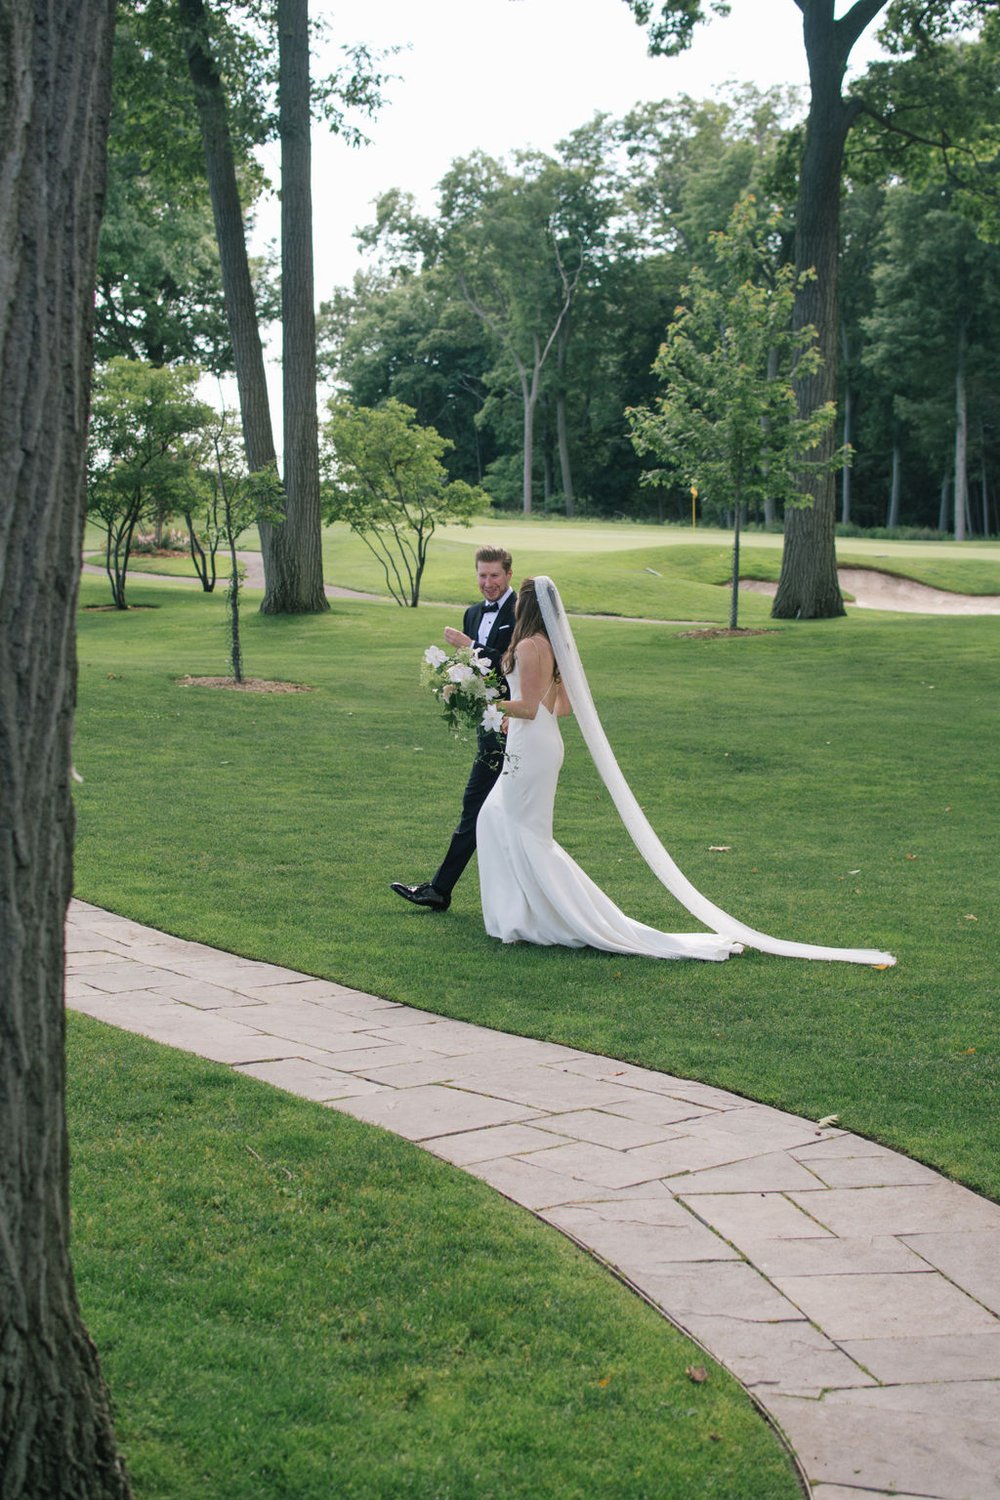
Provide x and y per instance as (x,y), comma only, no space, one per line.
(493,580)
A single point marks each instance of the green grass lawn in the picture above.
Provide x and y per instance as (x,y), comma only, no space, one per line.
(850,766)
(663,573)
(291,1304)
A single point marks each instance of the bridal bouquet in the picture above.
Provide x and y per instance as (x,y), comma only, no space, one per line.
(465,685)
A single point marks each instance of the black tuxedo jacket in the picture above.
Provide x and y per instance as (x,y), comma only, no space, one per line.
(499,637)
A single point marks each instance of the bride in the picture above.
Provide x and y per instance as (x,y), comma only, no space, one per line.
(532,891)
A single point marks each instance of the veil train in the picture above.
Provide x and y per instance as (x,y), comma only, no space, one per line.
(639,828)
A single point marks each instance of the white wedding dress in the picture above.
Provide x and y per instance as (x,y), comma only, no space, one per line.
(532,891)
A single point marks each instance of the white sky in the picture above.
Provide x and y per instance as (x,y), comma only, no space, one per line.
(503,74)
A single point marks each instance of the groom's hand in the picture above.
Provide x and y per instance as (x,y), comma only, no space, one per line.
(456,637)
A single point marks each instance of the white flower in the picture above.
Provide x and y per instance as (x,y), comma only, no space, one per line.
(434,656)
(492,719)
(492,693)
(460,673)
(481,663)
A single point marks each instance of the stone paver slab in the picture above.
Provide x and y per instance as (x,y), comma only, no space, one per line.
(648,1080)
(768,1129)
(491,1143)
(689,1153)
(970,1260)
(747,1217)
(432,1068)
(124,976)
(90,958)
(978,1399)
(604,1129)
(309,1080)
(728,1289)
(948,1458)
(842,1144)
(638,1248)
(545,1088)
(974,1356)
(771,1172)
(359,1054)
(864,1306)
(828,1256)
(844,1492)
(422,1113)
(786,1357)
(530,1184)
(202,995)
(902,1210)
(598,1165)
(657,1109)
(123,1006)
(888,1170)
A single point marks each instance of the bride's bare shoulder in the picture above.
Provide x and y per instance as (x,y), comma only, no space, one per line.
(538,643)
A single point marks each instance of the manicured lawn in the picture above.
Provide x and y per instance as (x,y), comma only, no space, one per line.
(850,766)
(308,1333)
(667,573)
(288,1303)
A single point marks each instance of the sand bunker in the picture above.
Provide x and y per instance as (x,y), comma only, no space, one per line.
(874,590)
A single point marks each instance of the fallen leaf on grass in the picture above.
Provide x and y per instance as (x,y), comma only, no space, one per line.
(970,918)
(697,1373)
(827,1120)
(912,856)
(720,848)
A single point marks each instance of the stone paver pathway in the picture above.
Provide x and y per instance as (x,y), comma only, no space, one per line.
(854,1292)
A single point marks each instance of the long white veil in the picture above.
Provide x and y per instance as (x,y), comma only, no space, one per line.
(638,826)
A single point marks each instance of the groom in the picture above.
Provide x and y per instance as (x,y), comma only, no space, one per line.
(488,625)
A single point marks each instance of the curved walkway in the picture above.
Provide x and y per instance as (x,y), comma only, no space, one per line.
(854,1292)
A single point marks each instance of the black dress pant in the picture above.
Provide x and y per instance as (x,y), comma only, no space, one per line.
(482,778)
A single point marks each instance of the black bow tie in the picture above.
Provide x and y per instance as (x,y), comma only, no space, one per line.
(490,609)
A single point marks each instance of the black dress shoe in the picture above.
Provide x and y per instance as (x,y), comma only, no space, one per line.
(422,895)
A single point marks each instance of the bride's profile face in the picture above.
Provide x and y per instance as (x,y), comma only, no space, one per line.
(493,580)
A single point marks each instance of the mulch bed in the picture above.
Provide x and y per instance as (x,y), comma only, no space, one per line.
(716,631)
(248,685)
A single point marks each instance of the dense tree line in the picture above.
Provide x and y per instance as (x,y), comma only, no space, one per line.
(550,280)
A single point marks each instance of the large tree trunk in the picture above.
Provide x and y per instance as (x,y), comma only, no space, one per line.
(56,1436)
(294,583)
(227,210)
(944,502)
(848,433)
(562,432)
(961,441)
(895,487)
(808,587)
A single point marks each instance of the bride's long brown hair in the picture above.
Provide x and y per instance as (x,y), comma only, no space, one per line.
(527,621)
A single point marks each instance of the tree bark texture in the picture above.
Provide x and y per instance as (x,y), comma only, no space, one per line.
(961,439)
(895,487)
(848,433)
(227,211)
(562,430)
(808,587)
(56,1437)
(294,580)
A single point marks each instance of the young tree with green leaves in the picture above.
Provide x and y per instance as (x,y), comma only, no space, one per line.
(234,500)
(387,481)
(135,468)
(728,424)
